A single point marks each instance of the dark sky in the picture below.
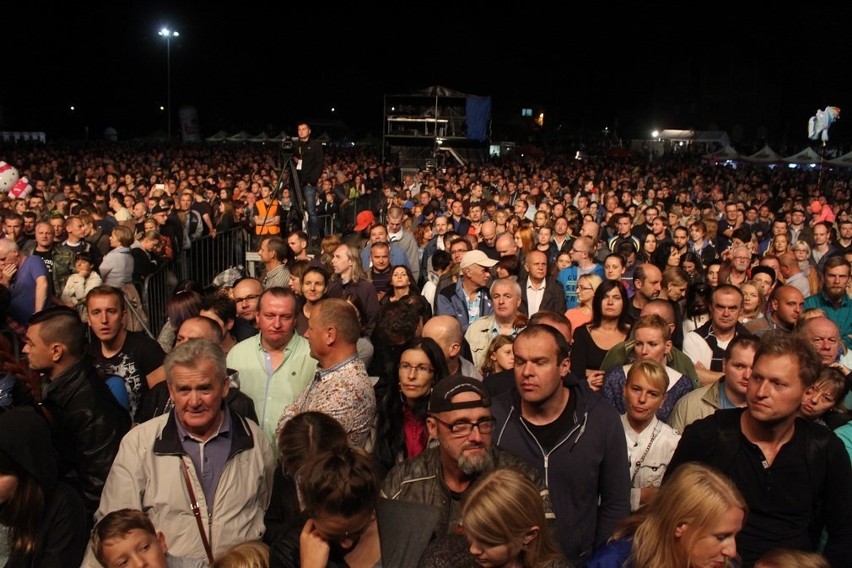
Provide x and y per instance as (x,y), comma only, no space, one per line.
(258,66)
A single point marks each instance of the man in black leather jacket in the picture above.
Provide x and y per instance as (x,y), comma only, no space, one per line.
(86,420)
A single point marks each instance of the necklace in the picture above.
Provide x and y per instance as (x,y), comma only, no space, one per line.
(641,460)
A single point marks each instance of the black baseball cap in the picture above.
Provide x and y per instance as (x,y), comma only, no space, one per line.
(446,389)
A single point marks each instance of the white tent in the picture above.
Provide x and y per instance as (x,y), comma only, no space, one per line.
(806,156)
(262,137)
(844,161)
(723,155)
(240,136)
(765,155)
(218,137)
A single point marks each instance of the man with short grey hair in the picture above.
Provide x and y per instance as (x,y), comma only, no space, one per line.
(506,319)
(200,457)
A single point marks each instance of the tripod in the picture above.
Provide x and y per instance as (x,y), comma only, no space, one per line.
(295,213)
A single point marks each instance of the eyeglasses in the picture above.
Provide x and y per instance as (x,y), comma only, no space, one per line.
(584,288)
(249,298)
(421,369)
(463,428)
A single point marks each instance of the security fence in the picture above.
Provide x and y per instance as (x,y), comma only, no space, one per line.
(207,257)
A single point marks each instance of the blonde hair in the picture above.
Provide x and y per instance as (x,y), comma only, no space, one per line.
(695,494)
(249,554)
(653,371)
(784,557)
(592,279)
(489,366)
(761,298)
(503,507)
(654,321)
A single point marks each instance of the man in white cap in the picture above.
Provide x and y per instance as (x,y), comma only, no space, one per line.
(469,299)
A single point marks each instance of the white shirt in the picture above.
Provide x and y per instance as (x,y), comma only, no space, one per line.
(697,349)
(648,464)
(534,296)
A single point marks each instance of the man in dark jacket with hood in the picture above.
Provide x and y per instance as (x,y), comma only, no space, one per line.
(572,437)
(87,422)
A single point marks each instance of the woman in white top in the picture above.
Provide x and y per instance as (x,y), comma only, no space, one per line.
(650,442)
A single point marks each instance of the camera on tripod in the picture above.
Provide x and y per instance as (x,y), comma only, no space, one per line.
(288,144)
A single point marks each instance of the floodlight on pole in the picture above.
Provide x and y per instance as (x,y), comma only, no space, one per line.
(169,34)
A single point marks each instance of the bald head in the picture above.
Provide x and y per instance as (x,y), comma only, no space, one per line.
(488,230)
(824,335)
(506,245)
(590,229)
(787,305)
(199,327)
(446,332)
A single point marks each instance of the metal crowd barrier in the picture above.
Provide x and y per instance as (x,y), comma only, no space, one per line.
(207,257)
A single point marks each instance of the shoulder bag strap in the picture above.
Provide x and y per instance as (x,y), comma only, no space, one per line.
(197,512)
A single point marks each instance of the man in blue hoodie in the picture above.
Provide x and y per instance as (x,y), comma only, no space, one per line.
(572,437)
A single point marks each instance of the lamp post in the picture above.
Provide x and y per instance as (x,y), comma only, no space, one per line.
(169,34)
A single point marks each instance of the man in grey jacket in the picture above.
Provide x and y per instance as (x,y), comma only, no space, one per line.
(200,460)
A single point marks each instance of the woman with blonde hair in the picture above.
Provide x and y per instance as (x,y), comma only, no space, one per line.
(652,341)
(754,302)
(249,554)
(499,356)
(650,442)
(802,250)
(692,523)
(581,314)
(503,520)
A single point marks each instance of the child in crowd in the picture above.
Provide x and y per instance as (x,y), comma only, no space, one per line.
(79,283)
(127,537)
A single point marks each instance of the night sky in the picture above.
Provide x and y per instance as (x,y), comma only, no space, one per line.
(262,66)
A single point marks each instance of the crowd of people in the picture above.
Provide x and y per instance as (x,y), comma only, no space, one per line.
(529,362)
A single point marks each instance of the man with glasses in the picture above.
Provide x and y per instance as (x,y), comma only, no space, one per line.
(740,263)
(459,418)
(730,222)
(246,295)
(706,345)
(571,436)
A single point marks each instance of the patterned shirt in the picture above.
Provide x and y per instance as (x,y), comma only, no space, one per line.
(345,393)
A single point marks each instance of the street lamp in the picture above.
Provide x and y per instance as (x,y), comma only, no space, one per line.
(169,34)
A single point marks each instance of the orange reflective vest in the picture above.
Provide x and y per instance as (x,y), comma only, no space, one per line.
(261,212)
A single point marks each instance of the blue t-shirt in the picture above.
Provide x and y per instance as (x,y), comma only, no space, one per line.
(23,288)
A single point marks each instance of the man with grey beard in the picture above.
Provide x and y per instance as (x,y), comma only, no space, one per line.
(459,418)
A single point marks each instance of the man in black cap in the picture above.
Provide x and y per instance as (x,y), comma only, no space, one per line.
(459,418)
